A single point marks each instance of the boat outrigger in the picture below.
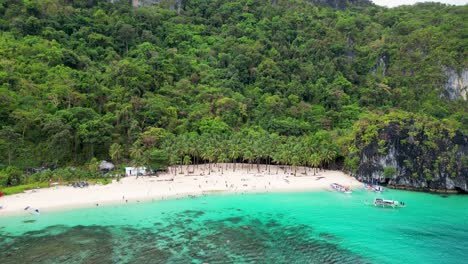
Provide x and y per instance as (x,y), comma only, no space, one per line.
(340,188)
(379,202)
(374,188)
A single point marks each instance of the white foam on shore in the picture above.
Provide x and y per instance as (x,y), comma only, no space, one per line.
(199,181)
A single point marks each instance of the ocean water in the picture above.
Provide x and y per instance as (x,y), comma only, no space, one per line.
(313,227)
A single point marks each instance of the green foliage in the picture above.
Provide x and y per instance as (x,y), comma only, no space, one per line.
(10,176)
(103,181)
(424,146)
(84,81)
(24,187)
(389,172)
(158,159)
(352,163)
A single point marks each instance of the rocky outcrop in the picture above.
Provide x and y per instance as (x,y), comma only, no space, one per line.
(381,66)
(457,84)
(410,155)
(341,4)
(338,4)
(172,4)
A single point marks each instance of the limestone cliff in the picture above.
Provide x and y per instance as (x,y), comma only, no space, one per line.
(338,4)
(412,154)
(341,4)
(457,84)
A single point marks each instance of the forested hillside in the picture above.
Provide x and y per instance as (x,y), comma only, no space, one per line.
(256,81)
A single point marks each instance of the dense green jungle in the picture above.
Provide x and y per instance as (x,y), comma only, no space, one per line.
(294,82)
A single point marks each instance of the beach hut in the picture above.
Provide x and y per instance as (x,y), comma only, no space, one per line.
(106,166)
(135,171)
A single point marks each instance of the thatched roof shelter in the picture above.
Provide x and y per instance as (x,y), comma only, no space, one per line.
(106,166)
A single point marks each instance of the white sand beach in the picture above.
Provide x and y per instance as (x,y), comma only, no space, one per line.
(188,181)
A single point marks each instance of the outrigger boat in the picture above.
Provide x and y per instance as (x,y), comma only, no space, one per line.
(340,188)
(374,188)
(379,202)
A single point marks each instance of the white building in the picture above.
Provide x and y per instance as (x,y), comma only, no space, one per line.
(135,171)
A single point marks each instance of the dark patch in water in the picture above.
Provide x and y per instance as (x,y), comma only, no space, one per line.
(328,236)
(418,232)
(193,213)
(241,239)
(234,220)
(29,221)
(271,224)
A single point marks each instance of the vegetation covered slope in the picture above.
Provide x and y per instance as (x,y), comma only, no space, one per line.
(256,81)
(409,151)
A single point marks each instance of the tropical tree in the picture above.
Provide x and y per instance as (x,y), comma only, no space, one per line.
(328,155)
(314,161)
(115,152)
(136,154)
(249,156)
(187,161)
(234,152)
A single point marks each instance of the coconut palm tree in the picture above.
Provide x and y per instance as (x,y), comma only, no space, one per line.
(136,154)
(234,153)
(329,155)
(276,158)
(258,151)
(115,152)
(249,156)
(314,161)
(295,161)
(208,154)
(187,161)
(174,160)
(223,159)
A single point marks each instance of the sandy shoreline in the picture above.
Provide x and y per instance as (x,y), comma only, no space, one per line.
(192,181)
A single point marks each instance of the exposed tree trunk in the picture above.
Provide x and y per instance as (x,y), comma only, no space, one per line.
(92,150)
(268,165)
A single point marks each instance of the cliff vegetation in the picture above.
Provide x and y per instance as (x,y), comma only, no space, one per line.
(285,82)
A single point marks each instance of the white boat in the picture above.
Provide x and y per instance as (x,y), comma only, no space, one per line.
(379,202)
(340,188)
(374,188)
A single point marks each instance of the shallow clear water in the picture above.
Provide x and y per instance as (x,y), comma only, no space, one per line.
(318,227)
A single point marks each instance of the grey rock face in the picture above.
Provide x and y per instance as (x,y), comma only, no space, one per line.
(410,164)
(457,84)
(338,4)
(341,4)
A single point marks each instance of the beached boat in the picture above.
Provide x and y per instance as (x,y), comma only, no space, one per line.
(380,202)
(340,188)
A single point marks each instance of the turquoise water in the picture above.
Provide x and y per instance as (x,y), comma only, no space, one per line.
(317,227)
